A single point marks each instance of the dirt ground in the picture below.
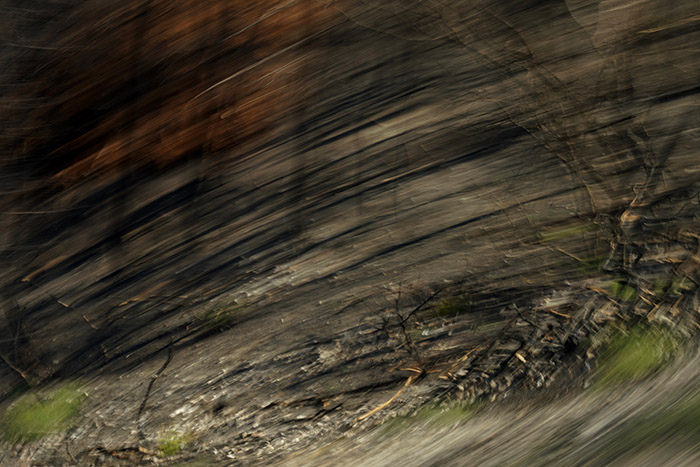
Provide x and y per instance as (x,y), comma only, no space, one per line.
(262,232)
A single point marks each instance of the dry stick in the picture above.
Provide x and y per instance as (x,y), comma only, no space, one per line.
(652,313)
(57,300)
(527,320)
(448,372)
(408,382)
(150,386)
(17,370)
(418,308)
(674,310)
(402,324)
(67,442)
(572,256)
(554,312)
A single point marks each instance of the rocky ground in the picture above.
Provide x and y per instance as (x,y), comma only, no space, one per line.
(257,231)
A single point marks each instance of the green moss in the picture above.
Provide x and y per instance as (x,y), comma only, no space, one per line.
(172,443)
(441,415)
(431,414)
(682,284)
(672,286)
(221,315)
(661,286)
(36,415)
(621,291)
(635,354)
(452,306)
(415,334)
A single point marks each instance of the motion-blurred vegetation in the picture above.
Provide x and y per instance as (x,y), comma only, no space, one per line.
(35,415)
(221,315)
(435,414)
(636,353)
(172,443)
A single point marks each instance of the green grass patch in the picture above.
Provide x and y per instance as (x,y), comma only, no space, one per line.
(221,315)
(662,286)
(452,306)
(431,414)
(172,443)
(622,291)
(635,354)
(36,415)
(672,286)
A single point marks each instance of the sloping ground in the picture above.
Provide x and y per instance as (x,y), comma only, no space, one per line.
(254,225)
(647,423)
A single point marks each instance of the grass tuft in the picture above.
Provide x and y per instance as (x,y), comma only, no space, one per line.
(221,315)
(635,354)
(452,306)
(431,414)
(622,291)
(36,415)
(172,444)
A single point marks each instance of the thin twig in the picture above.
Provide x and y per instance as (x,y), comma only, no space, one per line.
(563,315)
(448,372)
(150,386)
(572,256)
(57,300)
(14,368)
(419,307)
(408,382)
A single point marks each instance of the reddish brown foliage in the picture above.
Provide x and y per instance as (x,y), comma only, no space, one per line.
(148,83)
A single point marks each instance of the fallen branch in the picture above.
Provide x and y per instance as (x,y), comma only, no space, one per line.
(14,368)
(448,372)
(150,387)
(408,382)
(563,315)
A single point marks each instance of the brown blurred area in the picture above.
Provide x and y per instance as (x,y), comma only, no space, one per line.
(101,97)
(273,204)
(99,86)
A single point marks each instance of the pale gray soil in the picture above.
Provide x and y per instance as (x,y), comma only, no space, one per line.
(639,424)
